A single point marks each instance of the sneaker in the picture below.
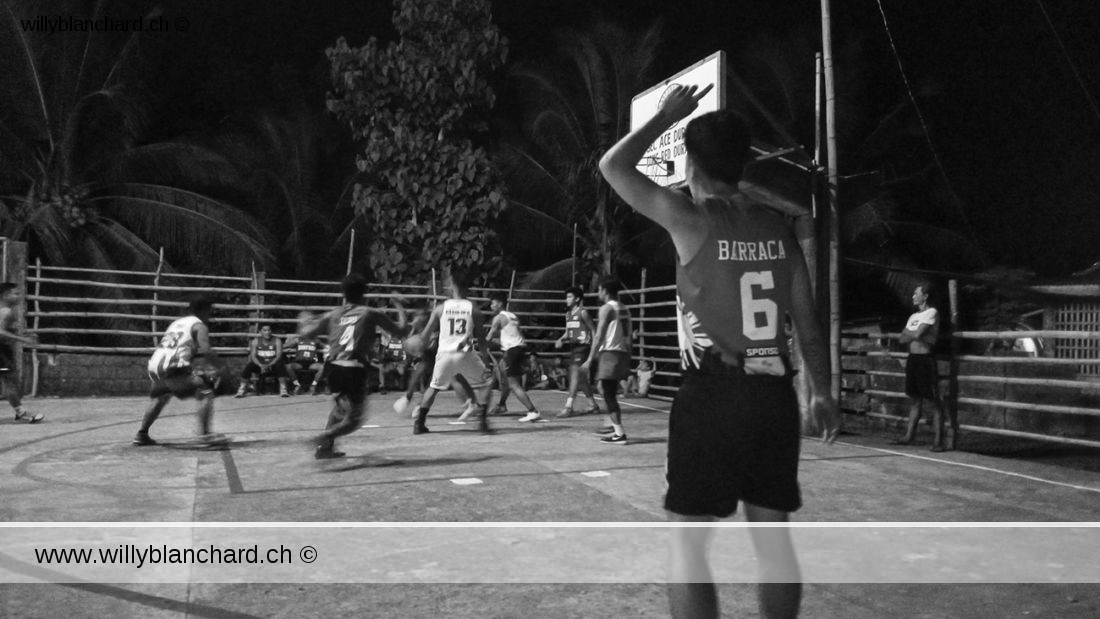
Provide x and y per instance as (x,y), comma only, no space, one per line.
(213,440)
(420,428)
(297,388)
(530,416)
(470,410)
(604,431)
(400,405)
(327,453)
(614,439)
(141,439)
(565,412)
(313,389)
(26,417)
(500,410)
(595,410)
(240,393)
(283,393)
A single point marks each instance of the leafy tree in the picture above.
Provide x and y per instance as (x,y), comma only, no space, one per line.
(77,181)
(574,106)
(416,106)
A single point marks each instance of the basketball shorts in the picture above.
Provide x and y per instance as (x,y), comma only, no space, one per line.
(514,359)
(613,365)
(182,383)
(921,376)
(733,438)
(348,381)
(450,364)
(251,370)
(579,354)
(7,358)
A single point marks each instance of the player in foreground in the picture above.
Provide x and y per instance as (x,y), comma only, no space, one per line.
(351,332)
(184,365)
(734,425)
(459,327)
(13,382)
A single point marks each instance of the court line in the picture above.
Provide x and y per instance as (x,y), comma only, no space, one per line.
(231,473)
(978,467)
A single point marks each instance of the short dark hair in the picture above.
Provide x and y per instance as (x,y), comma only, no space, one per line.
(719,144)
(354,287)
(7,287)
(261,325)
(460,277)
(926,286)
(499,295)
(199,304)
(612,285)
(575,291)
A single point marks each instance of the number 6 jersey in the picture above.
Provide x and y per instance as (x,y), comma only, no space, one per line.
(733,296)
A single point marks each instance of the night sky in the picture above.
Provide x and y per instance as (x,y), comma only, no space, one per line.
(1017,137)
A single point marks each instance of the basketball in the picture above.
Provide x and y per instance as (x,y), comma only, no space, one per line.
(414,345)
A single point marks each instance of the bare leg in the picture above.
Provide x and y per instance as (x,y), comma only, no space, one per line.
(156,405)
(914,419)
(13,386)
(609,390)
(691,590)
(521,393)
(780,589)
(205,412)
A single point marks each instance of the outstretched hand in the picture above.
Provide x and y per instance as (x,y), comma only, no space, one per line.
(680,101)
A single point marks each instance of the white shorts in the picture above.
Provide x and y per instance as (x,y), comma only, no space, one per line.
(467,363)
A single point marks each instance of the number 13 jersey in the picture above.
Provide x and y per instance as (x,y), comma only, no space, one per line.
(456,325)
(733,296)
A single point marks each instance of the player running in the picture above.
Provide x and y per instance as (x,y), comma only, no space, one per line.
(514,346)
(351,332)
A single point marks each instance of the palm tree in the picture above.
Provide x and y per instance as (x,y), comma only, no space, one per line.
(574,106)
(78,183)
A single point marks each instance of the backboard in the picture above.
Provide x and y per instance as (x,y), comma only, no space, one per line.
(664,159)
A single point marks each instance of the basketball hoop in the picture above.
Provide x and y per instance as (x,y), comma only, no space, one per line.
(655,167)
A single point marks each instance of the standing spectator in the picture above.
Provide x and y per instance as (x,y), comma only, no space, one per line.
(922,330)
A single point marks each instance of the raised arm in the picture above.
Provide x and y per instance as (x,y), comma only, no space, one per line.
(670,209)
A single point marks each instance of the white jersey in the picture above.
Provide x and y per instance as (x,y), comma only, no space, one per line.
(177,346)
(510,335)
(456,325)
(926,317)
(617,337)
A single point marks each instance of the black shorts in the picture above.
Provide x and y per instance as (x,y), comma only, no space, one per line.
(514,361)
(277,370)
(579,354)
(7,358)
(347,381)
(921,376)
(181,382)
(733,438)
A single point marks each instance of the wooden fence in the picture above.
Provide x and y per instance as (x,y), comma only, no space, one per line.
(78,311)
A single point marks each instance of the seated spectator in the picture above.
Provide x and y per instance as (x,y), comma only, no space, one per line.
(265,359)
(305,357)
(637,384)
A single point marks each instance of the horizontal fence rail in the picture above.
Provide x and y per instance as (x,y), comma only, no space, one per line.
(81,310)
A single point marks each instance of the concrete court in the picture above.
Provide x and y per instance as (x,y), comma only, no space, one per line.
(78,466)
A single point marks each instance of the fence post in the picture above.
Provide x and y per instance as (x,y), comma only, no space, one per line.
(641,321)
(156,297)
(257,299)
(953,364)
(37,314)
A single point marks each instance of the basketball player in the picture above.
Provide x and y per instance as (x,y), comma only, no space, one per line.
(184,365)
(610,352)
(514,346)
(351,332)
(13,382)
(303,354)
(265,357)
(459,327)
(734,425)
(578,336)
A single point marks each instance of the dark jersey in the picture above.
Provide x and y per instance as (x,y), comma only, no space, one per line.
(576,331)
(265,351)
(350,333)
(734,295)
